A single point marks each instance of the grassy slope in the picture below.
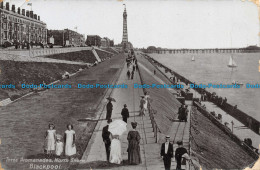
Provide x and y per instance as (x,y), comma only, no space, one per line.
(28,119)
(163,101)
(213,147)
(17,73)
(103,54)
(85,56)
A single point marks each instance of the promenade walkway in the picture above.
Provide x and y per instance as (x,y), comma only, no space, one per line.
(150,150)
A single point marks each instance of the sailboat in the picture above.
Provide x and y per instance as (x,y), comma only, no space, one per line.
(192,58)
(231,63)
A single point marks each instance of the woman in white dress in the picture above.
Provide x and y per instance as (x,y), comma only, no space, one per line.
(50,138)
(146,96)
(115,152)
(69,140)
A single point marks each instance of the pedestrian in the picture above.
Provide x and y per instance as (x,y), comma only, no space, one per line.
(132,74)
(167,153)
(142,102)
(128,74)
(146,98)
(125,113)
(154,72)
(181,113)
(109,109)
(133,137)
(59,146)
(181,155)
(186,113)
(106,138)
(69,140)
(50,138)
(133,67)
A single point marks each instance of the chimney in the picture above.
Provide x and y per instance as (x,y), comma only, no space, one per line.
(19,10)
(27,13)
(13,8)
(2,5)
(35,16)
(31,14)
(23,12)
(39,18)
(7,6)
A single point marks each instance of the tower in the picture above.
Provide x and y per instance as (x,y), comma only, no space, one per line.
(125,35)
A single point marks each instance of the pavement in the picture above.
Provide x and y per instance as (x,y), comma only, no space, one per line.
(150,150)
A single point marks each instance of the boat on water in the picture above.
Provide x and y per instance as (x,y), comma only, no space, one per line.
(232,63)
(193,58)
(238,83)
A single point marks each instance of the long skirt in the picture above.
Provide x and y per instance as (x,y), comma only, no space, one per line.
(115,153)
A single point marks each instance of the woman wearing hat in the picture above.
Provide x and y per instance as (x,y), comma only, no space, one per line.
(134,156)
(181,153)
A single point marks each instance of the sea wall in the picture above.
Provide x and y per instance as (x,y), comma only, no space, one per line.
(241,116)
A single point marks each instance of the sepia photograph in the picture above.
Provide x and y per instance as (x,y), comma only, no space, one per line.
(129,84)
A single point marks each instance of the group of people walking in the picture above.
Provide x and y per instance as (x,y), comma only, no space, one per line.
(113,145)
(183,113)
(167,153)
(132,67)
(53,144)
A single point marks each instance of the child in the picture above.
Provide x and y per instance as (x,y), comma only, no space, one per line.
(50,137)
(59,146)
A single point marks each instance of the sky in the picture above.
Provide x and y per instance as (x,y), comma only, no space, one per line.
(160,23)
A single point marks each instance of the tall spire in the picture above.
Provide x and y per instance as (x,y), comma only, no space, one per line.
(125,35)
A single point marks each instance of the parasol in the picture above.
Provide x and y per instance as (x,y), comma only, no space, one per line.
(117,127)
(111,98)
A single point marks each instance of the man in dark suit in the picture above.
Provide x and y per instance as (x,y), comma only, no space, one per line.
(167,153)
(106,138)
(109,109)
(125,113)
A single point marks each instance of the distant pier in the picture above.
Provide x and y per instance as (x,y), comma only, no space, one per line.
(250,49)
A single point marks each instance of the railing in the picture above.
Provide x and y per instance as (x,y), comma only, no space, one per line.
(154,125)
(151,112)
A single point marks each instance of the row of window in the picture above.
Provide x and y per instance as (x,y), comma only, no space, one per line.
(16,27)
(19,20)
(12,37)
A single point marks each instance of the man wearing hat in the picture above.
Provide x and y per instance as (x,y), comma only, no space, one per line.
(125,113)
(167,153)
(180,153)
(106,138)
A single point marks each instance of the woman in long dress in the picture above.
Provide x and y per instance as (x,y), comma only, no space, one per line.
(134,156)
(142,103)
(115,152)
(69,140)
(50,138)
(146,96)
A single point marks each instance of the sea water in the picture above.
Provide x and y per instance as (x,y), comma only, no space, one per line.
(212,68)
